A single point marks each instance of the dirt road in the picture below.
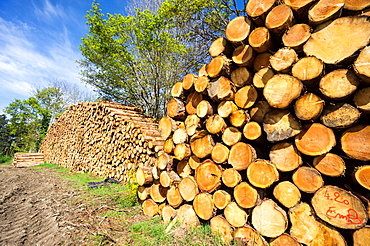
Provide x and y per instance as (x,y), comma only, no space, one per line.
(34,208)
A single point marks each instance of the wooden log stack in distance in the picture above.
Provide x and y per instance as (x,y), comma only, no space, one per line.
(270,141)
(28,159)
(104,138)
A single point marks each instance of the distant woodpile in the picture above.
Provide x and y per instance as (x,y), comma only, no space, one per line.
(28,159)
(270,141)
(104,138)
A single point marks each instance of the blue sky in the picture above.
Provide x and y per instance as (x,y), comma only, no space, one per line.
(39,42)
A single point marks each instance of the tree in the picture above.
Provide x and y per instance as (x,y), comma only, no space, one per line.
(28,123)
(136,59)
(5,136)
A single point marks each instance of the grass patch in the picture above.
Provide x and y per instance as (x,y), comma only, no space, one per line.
(6,160)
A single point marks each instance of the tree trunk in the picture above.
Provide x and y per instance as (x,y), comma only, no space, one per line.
(248,236)
(320,12)
(283,59)
(344,79)
(246,96)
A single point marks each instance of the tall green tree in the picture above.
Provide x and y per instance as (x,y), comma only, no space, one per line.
(136,59)
(5,136)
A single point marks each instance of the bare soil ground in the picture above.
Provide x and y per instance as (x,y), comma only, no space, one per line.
(38,207)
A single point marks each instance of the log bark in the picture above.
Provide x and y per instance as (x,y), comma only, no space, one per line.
(287,194)
(144,176)
(245,195)
(315,139)
(307,179)
(328,45)
(355,142)
(285,157)
(281,90)
(208,176)
(339,208)
(330,164)
(340,115)
(361,100)
(280,125)
(269,219)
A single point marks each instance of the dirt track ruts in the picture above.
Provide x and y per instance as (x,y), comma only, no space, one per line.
(34,208)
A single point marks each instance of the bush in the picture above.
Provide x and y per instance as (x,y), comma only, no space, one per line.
(5,159)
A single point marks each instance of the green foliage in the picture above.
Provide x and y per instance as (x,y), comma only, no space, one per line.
(5,160)
(5,136)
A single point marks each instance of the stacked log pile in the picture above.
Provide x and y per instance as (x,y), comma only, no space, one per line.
(28,159)
(270,141)
(104,138)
